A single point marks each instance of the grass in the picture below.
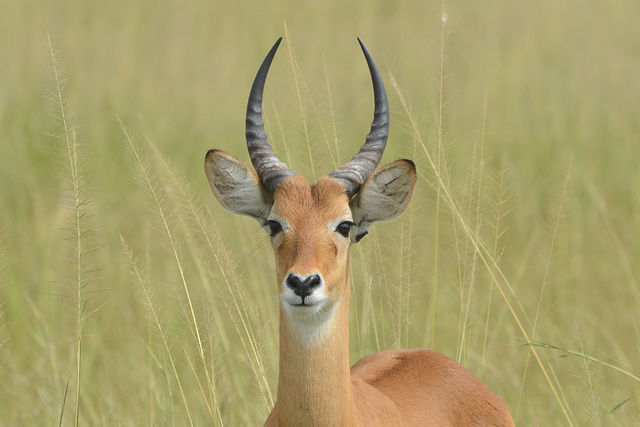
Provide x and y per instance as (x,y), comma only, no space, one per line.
(516,257)
(78,230)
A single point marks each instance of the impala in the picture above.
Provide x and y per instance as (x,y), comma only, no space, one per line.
(312,228)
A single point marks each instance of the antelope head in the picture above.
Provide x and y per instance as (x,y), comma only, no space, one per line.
(312,225)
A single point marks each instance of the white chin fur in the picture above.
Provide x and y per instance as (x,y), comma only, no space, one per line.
(310,323)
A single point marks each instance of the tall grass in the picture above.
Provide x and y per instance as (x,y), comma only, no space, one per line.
(79,232)
(516,256)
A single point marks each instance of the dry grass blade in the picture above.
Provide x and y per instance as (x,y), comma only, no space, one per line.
(479,247)
(173,246)
(500,211)
(299,82)
(545,280)
(62,406)
(624,371)
(148,300)
(78,206)
(238,305)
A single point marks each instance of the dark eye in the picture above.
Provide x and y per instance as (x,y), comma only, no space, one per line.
(344,227)
(272,227)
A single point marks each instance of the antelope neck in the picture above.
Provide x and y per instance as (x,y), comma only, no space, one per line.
(314,386)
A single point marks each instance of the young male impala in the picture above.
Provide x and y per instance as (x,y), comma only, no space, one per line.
(312,228)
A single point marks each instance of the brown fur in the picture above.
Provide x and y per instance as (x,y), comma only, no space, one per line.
(309,246)
(316,387)
(392,388)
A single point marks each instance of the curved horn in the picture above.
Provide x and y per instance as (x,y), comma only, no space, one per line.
(265,162)
(353,173)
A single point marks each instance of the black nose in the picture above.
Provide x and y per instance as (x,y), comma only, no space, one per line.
(303,286)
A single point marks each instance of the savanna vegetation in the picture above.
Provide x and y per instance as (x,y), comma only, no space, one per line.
(128,296)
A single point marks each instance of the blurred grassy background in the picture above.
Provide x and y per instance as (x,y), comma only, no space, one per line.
(536,139)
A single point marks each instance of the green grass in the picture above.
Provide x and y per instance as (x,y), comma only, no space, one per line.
(128,296)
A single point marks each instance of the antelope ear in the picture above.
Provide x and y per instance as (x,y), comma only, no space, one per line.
(383,196)
(236,186)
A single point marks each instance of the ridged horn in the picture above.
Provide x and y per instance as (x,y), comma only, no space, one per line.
(265,162)
(353,173)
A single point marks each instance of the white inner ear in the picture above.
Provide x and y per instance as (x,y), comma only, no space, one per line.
(383,197)
(236,186)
